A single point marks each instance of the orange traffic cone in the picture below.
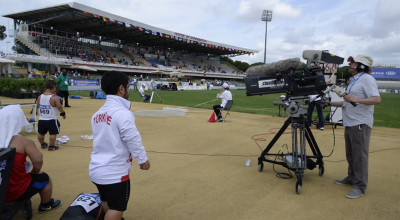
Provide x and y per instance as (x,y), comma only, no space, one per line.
(212,118)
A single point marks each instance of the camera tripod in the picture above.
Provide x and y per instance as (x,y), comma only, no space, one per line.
(158,96)
(296,160)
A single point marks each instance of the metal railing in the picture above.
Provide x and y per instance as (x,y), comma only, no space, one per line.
(36,48)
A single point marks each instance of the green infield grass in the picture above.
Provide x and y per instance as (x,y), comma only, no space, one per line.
(385,113)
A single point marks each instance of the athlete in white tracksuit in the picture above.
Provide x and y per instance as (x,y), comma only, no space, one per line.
(115,141)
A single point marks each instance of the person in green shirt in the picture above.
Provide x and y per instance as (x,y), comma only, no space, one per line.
(62,81)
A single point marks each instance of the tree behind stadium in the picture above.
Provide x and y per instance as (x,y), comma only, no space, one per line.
(3,34)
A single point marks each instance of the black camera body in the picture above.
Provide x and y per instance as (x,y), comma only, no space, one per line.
(259,85)
(297,83)
(290,76)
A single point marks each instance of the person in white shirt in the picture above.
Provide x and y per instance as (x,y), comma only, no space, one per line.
(146,97)
(153,85)
(30,76)
(116,141)
(358,122)
(224,96)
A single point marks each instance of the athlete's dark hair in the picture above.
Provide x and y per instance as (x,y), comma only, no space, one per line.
(110,82)
(50,84)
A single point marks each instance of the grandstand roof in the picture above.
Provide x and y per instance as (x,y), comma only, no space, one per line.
(90,22)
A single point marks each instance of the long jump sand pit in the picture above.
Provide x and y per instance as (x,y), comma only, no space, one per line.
(198,169)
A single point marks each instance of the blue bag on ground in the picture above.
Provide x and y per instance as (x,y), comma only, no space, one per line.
(75,96)
(100,95)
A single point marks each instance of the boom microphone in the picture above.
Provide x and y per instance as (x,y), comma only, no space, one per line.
(282,66)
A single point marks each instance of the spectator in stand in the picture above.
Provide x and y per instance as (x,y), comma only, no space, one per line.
(63,80)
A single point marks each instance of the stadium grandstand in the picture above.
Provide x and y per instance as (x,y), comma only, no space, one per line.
(83,39)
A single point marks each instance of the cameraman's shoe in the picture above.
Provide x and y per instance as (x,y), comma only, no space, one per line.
(355,193)
(220,120)
(49,206)
(343,182)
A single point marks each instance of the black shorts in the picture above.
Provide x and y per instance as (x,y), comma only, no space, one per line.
(116,195)
(39,182)
(51,126)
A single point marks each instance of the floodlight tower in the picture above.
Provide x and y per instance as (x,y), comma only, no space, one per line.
(266,16)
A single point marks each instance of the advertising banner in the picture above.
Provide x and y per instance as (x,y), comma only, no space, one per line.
(386,73)
(81,82)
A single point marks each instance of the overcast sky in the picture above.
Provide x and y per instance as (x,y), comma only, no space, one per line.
(344,27)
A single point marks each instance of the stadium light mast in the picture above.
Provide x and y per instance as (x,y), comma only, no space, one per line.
(266,16)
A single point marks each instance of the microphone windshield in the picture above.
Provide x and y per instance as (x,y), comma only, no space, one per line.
(282,66)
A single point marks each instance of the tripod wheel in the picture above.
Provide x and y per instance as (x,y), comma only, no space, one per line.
(260,166)
(298,187)
(321,170)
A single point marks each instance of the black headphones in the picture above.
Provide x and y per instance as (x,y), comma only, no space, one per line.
(361,68)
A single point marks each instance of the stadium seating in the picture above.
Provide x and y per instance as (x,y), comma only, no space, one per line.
(72,49)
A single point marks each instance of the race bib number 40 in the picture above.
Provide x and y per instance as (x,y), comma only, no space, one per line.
(88,201)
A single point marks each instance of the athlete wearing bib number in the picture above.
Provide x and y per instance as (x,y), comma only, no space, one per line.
(48,105)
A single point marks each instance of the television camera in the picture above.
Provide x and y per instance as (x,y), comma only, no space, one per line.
(290,75)
(298,82)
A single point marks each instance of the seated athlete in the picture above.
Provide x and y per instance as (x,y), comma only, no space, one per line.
(146,97)
(225,96)
(23,184)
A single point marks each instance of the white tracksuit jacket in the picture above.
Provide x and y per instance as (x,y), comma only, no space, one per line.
(115,141)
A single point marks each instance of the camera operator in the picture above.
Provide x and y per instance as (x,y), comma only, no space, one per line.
(358,122)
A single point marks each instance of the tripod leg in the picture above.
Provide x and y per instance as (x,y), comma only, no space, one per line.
(159,98)
(151,98)
(313,143)
(276,137)
(316,152)
(271,144)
